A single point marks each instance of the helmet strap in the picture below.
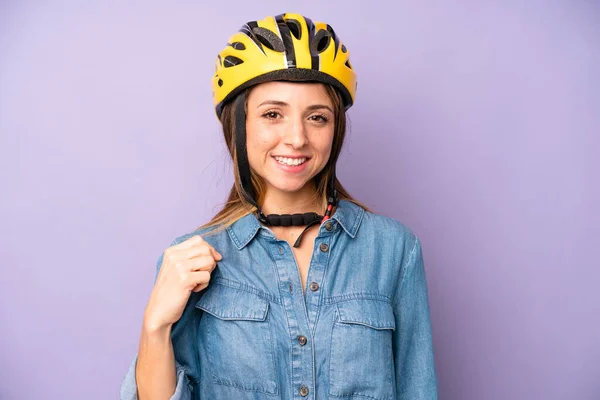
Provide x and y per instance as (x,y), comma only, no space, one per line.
(300,219)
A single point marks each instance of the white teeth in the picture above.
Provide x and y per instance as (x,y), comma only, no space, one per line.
(290,161)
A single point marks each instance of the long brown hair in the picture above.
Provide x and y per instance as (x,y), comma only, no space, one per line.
(237,207)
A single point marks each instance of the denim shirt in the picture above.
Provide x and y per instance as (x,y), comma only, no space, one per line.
(360,331)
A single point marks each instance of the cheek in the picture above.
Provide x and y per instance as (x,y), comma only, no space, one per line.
(259,140)
(326,144)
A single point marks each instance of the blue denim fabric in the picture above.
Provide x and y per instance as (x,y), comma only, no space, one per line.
(367,322)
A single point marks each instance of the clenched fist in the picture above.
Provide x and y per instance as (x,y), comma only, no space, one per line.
(186,267)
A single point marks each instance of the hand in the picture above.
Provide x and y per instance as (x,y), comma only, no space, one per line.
(186,268)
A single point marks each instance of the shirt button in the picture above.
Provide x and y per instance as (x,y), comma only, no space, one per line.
(329,226)
(280,250)
(304,391)
(314,286)
(302,340)
(324,247)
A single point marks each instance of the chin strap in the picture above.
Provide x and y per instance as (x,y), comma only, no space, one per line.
(308,219)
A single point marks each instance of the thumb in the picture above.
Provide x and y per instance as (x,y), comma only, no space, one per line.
(216,255)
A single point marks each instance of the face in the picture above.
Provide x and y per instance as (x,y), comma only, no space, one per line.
(289,132)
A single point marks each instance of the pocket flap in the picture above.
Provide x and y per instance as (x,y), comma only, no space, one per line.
(372,313)
(227,303)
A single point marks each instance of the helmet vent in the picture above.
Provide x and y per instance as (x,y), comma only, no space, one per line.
(348,64)
(238,45)
(231,61)
(295,28)
(321,41)
(268,39)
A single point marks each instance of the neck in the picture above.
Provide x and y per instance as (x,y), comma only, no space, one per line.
(298,202)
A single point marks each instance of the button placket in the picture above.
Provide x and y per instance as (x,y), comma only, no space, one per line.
(294,304)
(314,286)
(302,310)
(316,274)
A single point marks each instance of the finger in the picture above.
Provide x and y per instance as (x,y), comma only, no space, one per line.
(200,287)
(172,252)
(214,252)
(217,256)
(198,278)
(192,252)
(186,244)
(202,263)
(200,247)
(204,249)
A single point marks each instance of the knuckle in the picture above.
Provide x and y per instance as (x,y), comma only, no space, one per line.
(183,277)
(196,239)
(209,261)
(170,256)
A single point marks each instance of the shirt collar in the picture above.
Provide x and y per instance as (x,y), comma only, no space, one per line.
(348,214)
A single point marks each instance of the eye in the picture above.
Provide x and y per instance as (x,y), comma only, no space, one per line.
(320,118)
(271,114)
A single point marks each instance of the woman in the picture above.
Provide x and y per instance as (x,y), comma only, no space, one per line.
(295,289)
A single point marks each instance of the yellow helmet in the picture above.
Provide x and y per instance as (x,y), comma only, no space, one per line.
(284,47)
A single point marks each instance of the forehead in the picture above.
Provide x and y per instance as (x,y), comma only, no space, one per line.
(290,92)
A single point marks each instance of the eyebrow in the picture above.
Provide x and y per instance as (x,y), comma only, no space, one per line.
(284,104)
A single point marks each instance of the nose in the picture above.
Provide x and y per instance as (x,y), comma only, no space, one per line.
(296,135)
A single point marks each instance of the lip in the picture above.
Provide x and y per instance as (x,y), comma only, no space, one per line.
(292,157)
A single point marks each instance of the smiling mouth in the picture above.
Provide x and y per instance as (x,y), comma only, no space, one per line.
(292,162)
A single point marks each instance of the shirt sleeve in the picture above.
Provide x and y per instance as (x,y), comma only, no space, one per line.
(412,341)
(185,349)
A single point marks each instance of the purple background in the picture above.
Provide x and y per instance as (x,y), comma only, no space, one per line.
(477,125)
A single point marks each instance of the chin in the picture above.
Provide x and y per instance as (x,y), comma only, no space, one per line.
(287,187)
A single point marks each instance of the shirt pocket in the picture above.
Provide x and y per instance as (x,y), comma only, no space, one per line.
(361,360)
(236,328)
